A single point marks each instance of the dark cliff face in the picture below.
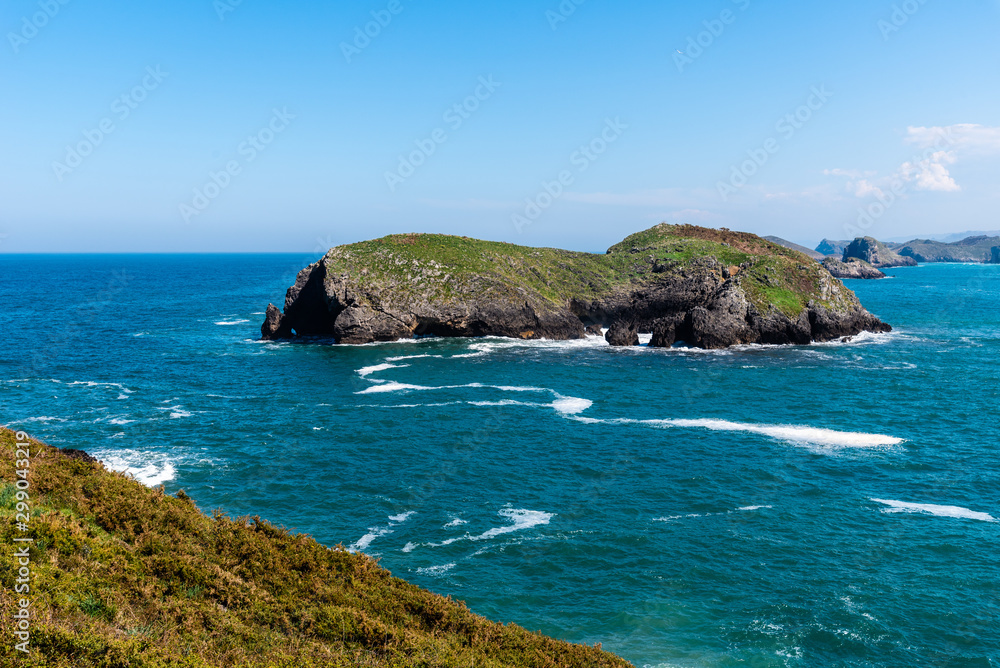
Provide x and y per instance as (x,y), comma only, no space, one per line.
(876,253)
(401,287)
(995,255)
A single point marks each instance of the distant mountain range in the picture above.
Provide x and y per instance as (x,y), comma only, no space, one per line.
(862,257)
(976,248)
(948,238)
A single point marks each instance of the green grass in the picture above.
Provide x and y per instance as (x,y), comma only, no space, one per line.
(438,268)
(125,576)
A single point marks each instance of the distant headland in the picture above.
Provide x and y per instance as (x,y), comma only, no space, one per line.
(865,256)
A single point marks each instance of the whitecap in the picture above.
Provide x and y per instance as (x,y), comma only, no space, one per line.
(370,537)
(232,322)
(402,517)
(410,357)
(790,433)
(89,383)
(409,547)
(956,512)
(748,508)
(522,519)
(436,570)
(138,465)
(571,405)
(455,522)
(121,421)
(503,402)
(393,386)
(369,370)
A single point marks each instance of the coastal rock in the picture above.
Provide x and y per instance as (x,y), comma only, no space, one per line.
(274,326)
(876,253)
(622,334)
(594,330)
(709,288)
(995,253)
(832,247)
(853,268)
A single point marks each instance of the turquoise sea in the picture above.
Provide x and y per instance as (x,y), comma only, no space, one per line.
(826,505)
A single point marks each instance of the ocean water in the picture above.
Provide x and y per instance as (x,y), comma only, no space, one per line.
(826,505)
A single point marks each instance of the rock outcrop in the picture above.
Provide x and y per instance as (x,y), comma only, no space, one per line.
(832,247)
(623,334)
(995,255)
(708,288)
(853,268)
(876,253)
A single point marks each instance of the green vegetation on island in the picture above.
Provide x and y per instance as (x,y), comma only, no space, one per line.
(447,265)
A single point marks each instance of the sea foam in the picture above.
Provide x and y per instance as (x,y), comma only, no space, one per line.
(369,370)
(138,465)
(932,509)
(370,537)
(436,570)
(791,433)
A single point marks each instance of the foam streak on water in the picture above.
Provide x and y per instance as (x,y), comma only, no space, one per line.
(956,512)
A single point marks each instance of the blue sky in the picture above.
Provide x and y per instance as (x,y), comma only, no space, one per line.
(248,126)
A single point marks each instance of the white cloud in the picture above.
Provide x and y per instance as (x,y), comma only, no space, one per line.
(931,174)
(942,145)
(849,173)
(864,187)
(965,137)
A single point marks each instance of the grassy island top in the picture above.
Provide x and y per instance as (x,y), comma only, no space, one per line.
(440,266)
(126,576)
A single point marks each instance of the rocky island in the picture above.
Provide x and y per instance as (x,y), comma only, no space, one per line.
(851,268)
(708,288)
(876,254)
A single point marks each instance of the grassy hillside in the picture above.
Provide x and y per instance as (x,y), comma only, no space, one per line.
(438,266)
(126,576)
